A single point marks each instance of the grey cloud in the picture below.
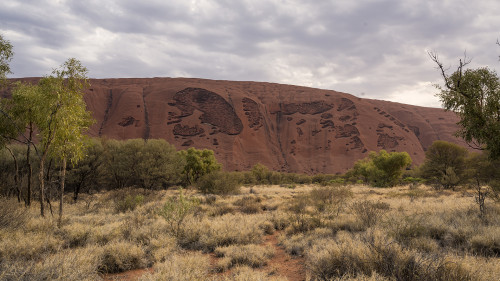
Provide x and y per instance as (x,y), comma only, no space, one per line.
(375,47)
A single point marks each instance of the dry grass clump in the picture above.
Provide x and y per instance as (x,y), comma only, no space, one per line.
(19,245)
(76,234)
(12,214)
(75,264)
(118,256)
(245,273)
(250,204)
(298,243)
(250,255)
(209,233)
(373,251)
(368,212)
(181,267)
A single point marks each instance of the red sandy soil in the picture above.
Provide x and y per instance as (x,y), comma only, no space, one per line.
(287,128)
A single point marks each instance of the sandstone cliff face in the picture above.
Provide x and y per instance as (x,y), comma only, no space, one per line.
(287,128)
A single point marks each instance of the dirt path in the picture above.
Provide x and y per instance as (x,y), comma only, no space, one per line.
(282,264)
(293,268)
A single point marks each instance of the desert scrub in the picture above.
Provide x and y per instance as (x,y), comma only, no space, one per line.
(209,233)
(28,246)
(373,251)
(193,266)
(76,234)
(368,212)
(129,203)
(249,204)
(218,183)
(297,244)
(250,255)
(161,247)
(245,273)
(175,211)
(75,264)
(12,214)
(119,256)
(330,198)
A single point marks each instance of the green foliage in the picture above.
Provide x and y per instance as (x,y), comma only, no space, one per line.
(129,203)
(382,169)
(218,183)
(474,94)
(198,163)
(175,210)
(150,164)
(6,54)
(85,175)
(444,164)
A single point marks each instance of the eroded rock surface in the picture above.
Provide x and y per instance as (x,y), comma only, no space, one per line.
(287,128)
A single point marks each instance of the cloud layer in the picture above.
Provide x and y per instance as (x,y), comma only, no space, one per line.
(369,48)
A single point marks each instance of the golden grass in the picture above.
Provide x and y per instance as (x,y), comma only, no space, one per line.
(418,234)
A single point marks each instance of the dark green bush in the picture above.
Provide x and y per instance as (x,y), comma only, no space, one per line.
(218,183)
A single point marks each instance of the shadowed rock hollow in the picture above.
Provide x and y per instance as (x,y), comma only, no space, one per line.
(287,128)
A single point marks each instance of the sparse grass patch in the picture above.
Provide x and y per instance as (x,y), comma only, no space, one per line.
(12,214)
(250,255)
(192,266)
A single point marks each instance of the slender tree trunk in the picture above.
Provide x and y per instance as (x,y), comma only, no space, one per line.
(30,168)
(42,183)
(62,179)
(16,175)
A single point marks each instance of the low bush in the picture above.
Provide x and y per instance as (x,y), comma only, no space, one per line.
(218,183)
(129,203)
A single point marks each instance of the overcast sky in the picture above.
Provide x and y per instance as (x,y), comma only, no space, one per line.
(368,48)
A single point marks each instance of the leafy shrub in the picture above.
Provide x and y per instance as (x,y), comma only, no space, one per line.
(444,164)
(175,210)
(218,183)
(381,169)
(129,203)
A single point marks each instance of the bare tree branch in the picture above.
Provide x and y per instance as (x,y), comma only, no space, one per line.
(447,81)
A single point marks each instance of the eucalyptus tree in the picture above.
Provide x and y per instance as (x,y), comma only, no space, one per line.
(62,120)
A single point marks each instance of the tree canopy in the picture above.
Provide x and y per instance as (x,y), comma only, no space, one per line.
(474,94)
(6,54)
(382,169)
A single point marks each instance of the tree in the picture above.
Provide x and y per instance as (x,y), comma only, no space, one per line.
(474,94)
(6,54)
(198,163)
(382,169)
(17,123)
(159,164)
(62,120)
(444,164)
(484,177)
